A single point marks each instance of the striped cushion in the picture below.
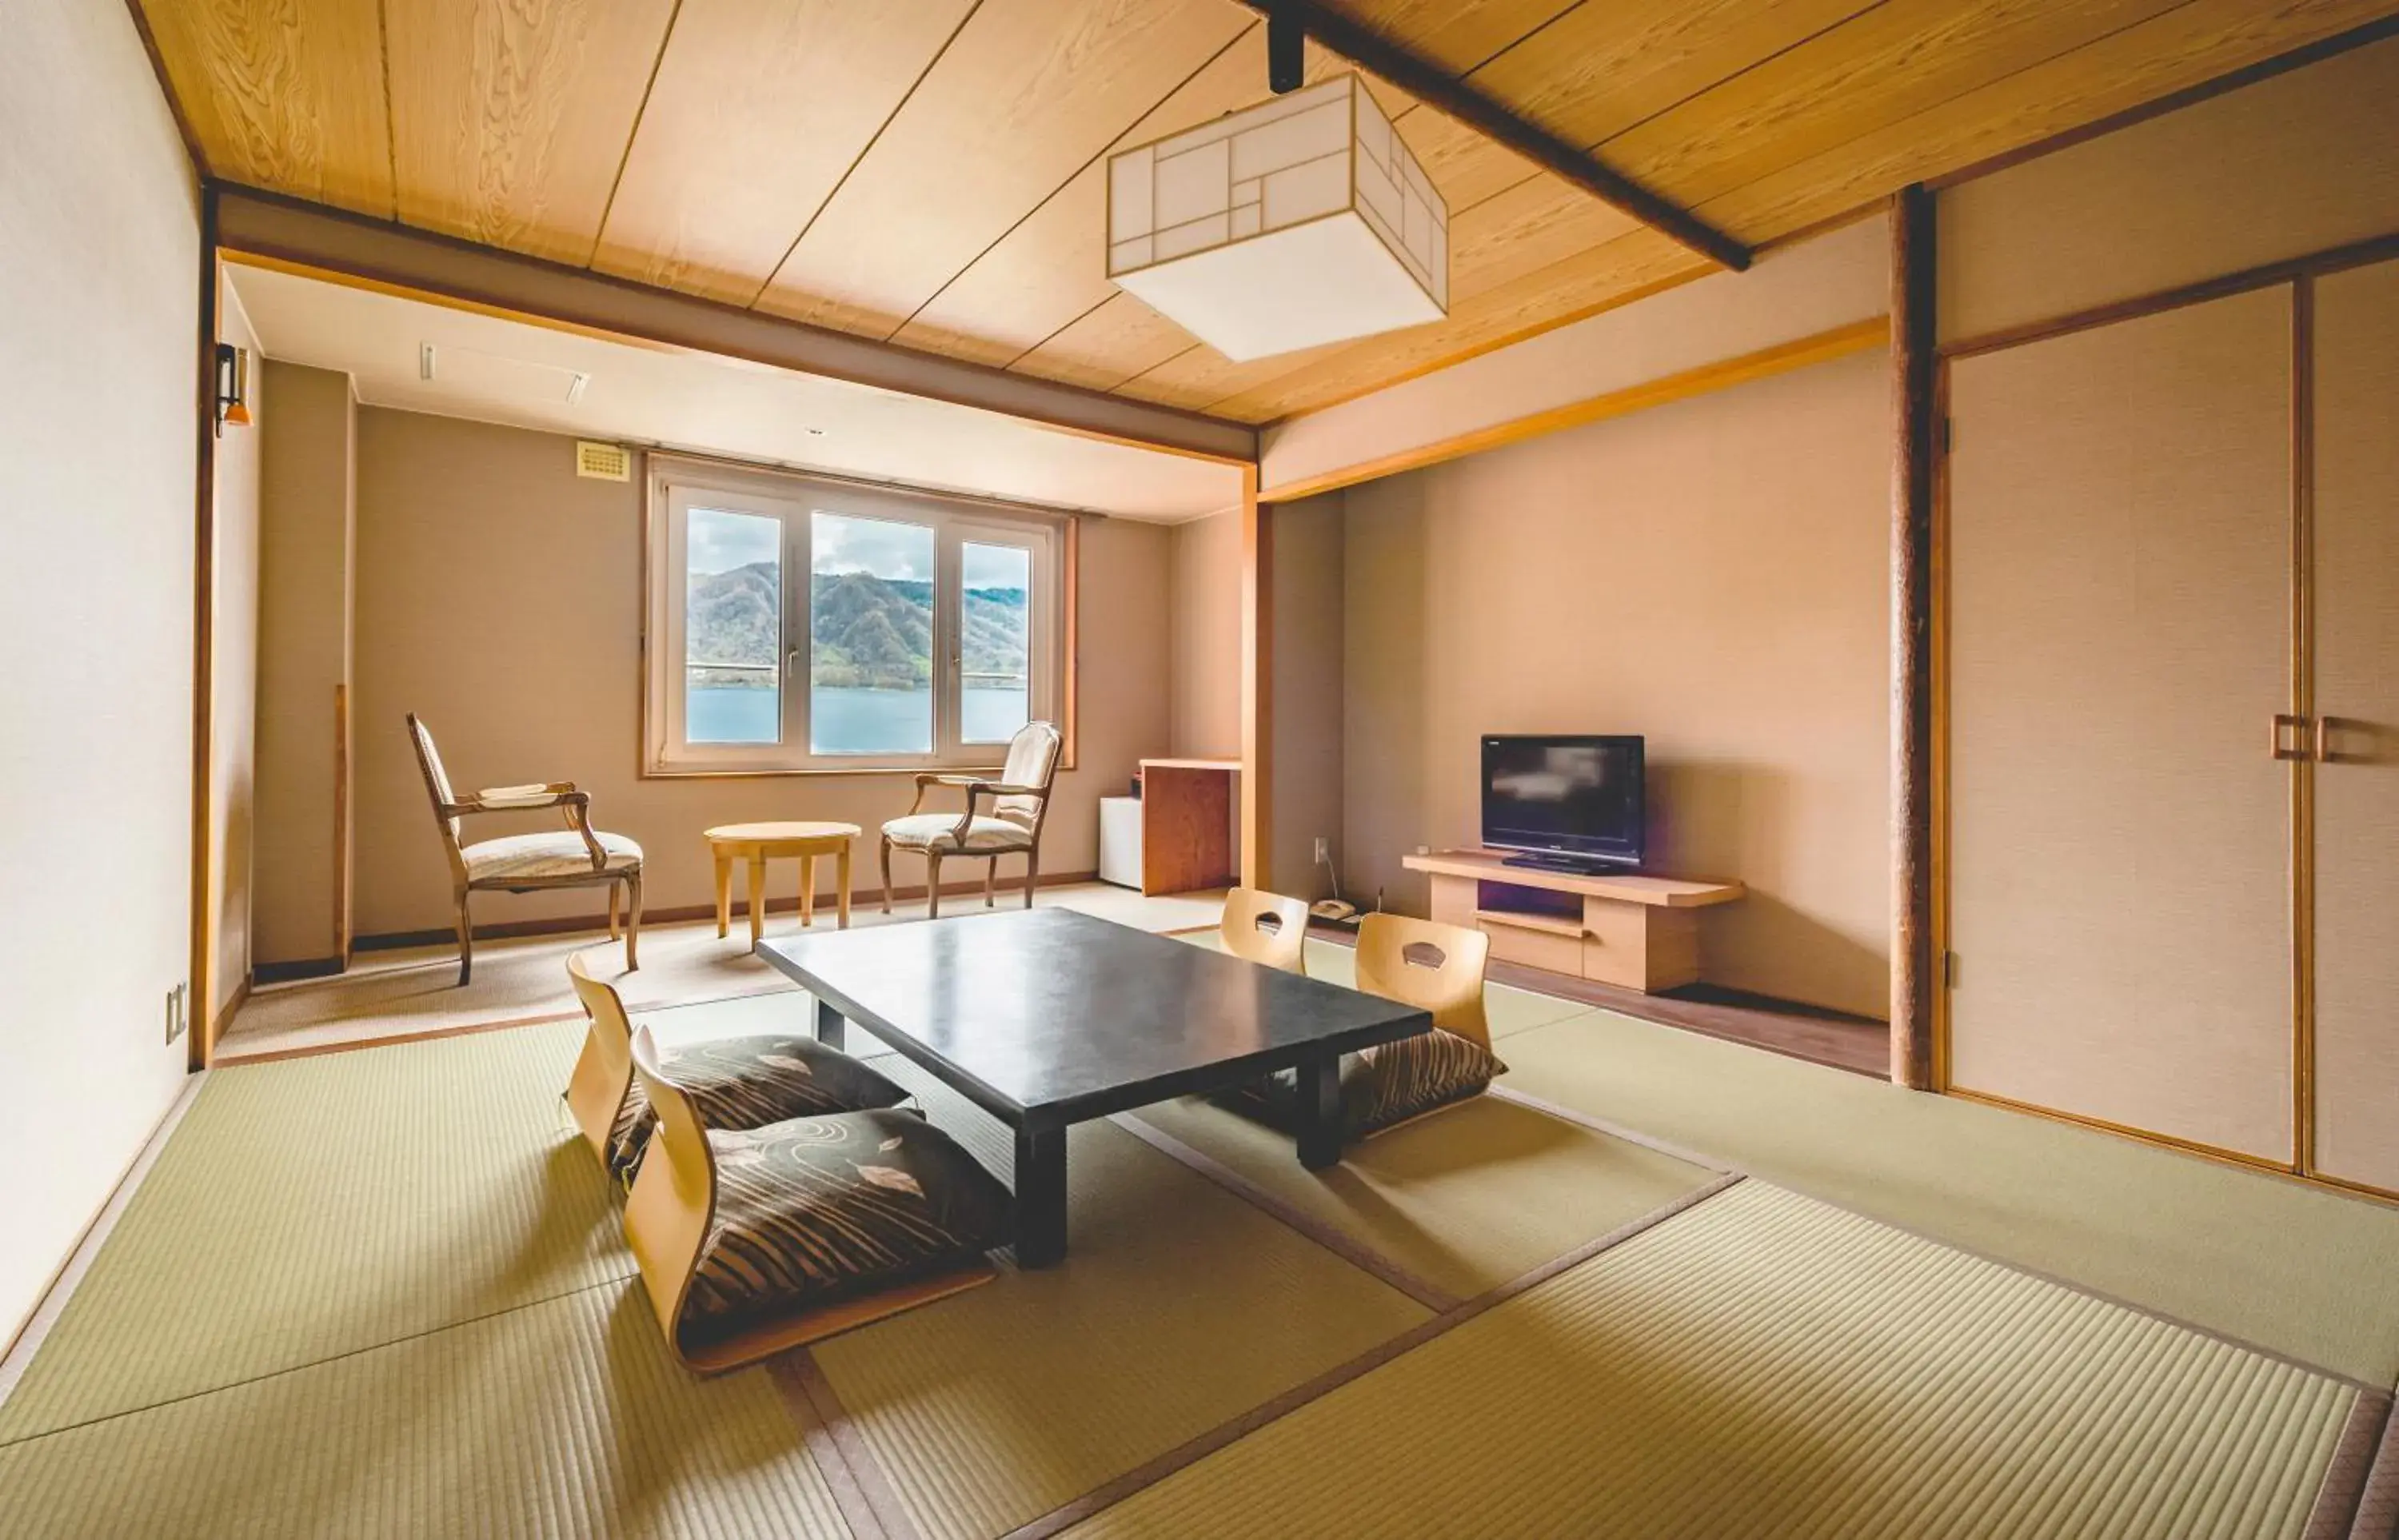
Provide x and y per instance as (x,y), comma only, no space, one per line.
(819,1208)
(746,1081)
(1387,1085)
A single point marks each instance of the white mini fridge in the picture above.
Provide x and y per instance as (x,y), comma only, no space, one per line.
(1120,842)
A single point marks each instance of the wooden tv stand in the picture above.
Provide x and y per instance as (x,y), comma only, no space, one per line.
(1638,931)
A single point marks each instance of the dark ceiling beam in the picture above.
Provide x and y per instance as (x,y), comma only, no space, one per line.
(287,232)
(1455,99)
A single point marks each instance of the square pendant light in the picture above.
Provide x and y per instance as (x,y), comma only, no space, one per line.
(1301,220)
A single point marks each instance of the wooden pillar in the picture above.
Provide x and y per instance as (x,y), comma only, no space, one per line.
(199,1000)
(1916,431)
(1257,681)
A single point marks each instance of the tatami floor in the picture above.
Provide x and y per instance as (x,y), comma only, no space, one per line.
(1655,1285)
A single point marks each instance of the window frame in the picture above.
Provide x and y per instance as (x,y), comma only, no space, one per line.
(675,485)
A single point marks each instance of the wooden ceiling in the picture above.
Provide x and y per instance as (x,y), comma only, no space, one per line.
(930,172)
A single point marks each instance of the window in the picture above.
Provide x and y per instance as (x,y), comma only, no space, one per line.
(797,624)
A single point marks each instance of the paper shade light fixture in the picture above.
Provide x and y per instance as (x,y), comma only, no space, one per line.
(1303,220)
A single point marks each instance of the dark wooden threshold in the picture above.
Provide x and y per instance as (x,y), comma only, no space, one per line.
(860,899)
(1858,1044)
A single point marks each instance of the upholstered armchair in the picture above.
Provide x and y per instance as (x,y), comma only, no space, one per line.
(576,857)
(1020,801)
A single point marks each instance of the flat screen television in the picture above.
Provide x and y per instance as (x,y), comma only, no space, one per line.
(1571,802)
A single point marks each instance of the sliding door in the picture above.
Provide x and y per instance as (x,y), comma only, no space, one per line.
(2118,644)
(2357,694)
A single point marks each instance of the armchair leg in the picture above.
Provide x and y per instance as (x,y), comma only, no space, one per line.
(990,876)
(466,941)
(886,875)
(933,884)
(632,919)
(1032,873)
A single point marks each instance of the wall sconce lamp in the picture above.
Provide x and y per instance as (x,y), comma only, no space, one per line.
(233,386)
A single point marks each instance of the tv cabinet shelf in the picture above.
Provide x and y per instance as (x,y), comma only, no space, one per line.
(1635,930)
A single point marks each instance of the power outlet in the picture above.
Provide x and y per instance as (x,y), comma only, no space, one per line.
(178,1015)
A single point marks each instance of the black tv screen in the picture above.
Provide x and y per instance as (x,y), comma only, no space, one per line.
(1578,798)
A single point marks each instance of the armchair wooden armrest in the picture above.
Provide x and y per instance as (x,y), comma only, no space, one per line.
(519,799)
(497,799)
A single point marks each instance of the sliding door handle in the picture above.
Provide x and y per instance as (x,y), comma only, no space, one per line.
(2296,746)
(2323,746)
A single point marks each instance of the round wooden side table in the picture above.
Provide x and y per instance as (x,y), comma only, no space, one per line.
(759,842)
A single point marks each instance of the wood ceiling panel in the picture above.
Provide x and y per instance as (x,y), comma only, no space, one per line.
(1455,34)
(1107,347)
(1896,59)
(2196,42)
(1028,93)
(512,117)
(283,94)
(758,108)
(1052,267)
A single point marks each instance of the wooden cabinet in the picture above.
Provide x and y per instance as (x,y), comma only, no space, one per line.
(1635,931)
(2170,702)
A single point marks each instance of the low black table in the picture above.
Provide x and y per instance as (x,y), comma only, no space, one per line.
(1044,1017)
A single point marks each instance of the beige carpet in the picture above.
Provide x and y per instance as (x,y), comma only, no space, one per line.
(415,990)
(1464,1200)
(565,1417)
(2293,1269)
(1767,1364)
(1178,1307)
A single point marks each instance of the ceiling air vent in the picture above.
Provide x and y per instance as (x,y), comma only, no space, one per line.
(603,462)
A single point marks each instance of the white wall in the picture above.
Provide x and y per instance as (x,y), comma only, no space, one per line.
(99,312)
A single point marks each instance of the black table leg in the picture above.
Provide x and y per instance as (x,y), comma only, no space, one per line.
(828,1025)
(1319,1113)
(1040,1198)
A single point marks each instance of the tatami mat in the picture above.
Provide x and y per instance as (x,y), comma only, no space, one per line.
(319,1206)
(562,1418)
(2293,1269)
(1178,1307)
(1465,1199)
(1763,1364)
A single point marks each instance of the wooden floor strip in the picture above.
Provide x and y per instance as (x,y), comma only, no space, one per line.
(2335,1515)
(868,1500)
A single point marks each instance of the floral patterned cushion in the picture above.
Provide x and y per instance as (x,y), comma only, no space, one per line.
(744,1082)
(818,1208)
(1386,1084)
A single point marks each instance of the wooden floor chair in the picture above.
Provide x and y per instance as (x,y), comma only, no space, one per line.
(1438,969)
(737,1082)
(1265,928)
(751,1242)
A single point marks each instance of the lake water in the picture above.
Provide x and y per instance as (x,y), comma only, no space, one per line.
(849,721)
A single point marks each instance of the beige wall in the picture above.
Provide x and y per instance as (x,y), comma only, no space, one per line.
(306,561)
(1711,574)
(1306,692)
(499,597)
(1207,637)
(2294,163)
(233,666)
(99,325)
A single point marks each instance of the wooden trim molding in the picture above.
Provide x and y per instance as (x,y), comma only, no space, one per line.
(2334,259)
(1782,358)
(320,242)
(1257,682)
(2302,664)
(201,966)
(1455,99)
(342,821)
(1914,448)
